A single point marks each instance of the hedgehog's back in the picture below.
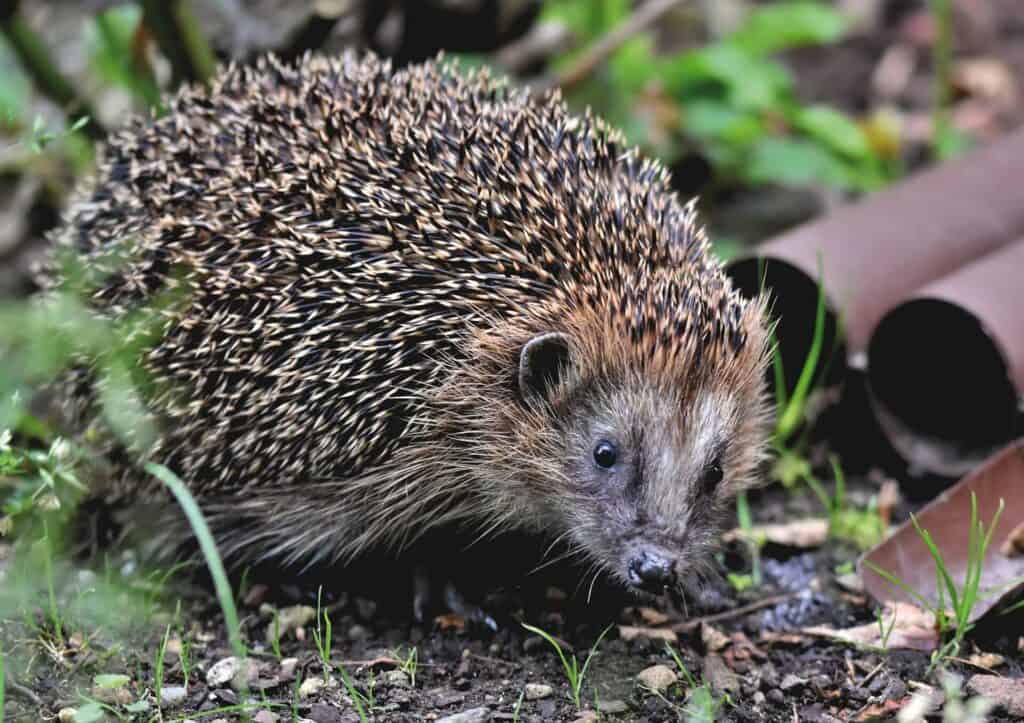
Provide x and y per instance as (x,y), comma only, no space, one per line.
(338,229)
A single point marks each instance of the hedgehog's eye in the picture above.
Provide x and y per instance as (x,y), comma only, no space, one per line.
(605,454)
(714,473)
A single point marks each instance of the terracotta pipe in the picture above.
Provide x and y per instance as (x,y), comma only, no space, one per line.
(874,251)
(946,366)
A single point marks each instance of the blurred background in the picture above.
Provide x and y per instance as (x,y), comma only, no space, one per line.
(771,111)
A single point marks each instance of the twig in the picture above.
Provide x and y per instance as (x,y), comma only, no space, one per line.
(16,687)
(689,625)
(543,40)
(32,54)
(871,675)
(180,39)
(600,51)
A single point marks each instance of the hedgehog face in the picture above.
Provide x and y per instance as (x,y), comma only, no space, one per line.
(649,469)
(652,473)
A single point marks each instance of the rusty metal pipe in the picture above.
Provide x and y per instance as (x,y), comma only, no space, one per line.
(875,251)
(946,366)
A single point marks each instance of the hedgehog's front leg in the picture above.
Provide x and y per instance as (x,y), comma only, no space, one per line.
(454,601)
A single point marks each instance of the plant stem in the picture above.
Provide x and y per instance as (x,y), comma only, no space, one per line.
(34,57)
(180,38)
(209,549)
(943,141)
(140,76)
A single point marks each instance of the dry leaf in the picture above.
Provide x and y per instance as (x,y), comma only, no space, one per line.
(632,632)
(888,500)
(905,626)
(713,639)
(987,661)
(652,616)
(450,621)
(1013,545)
(803,534)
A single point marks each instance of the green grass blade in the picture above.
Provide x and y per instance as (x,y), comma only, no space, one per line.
(208,548)
(355,695)
(570,673)
(940,564)
(918,597)
(590,655)
(839,501)
(1,684)
(778,374)
(794,409)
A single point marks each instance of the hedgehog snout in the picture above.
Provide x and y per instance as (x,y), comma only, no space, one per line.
(651,570)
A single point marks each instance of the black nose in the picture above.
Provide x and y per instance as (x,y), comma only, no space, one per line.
(651,572)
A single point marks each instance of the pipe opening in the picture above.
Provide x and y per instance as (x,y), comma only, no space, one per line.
(940,385)
(794,300)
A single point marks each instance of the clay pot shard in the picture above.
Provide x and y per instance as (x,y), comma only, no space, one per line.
(947,519)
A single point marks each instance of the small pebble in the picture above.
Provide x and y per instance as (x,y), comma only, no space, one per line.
(112,696)
(289,619)
(613,707)
(323,713)
(537,691)
(311,686)
(265,716)
(473,715)
(534,643)
(358,632)
(658,678)
(758,698)
(587,716)
(172,695)
(222,672)
(394,679)
(792,682)
(776,696)
(66,715)
(365,609)
(719,676)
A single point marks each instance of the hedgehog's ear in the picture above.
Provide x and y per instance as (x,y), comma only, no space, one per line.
(542,361)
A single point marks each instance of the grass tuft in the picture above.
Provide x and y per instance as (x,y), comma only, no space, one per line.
(209,549)
(354,694)
(954,620)
(573,672)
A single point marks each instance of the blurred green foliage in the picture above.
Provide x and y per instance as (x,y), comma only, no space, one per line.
(731,99)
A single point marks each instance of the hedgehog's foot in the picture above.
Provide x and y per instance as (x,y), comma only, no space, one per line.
(454,602)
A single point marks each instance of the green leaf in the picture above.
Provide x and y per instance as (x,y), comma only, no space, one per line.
(632,66)
(834,129)
(789,25)
(110,681)
(749,82)
(139,706)
(90,713)
(794,162)
(706,119)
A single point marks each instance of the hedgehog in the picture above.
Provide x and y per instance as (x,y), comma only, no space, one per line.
(420,298)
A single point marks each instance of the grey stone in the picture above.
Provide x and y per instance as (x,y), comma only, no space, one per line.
(323,713)
(792,682)
(719,676)
(657,677)
(394,679)
(172,695)
(473,715)
(222,672)
(537,691)
(613,707)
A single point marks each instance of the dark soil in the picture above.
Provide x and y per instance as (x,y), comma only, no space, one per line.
(750,649)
